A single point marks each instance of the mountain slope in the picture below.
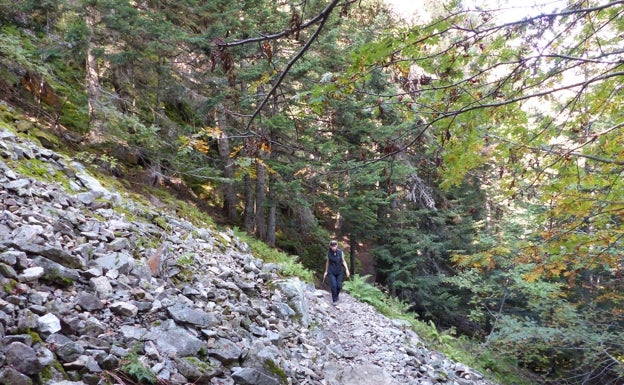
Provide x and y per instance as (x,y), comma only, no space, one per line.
(99,288)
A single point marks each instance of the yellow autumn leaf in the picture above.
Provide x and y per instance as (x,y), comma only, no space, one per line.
(201,146)
(213,132)
(534,274)
(265,146)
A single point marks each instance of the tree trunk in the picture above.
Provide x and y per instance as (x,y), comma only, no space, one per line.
(271,228)
(248,216)
(353,248)
(261,225)
(92,80)
(229,191)
(272,198)
(271,220)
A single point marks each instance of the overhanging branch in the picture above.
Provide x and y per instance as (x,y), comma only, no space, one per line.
(321,19)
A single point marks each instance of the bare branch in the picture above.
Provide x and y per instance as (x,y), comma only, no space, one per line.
(566,12)
(321,19)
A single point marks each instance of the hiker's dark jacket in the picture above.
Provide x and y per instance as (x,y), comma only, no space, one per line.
(335,262)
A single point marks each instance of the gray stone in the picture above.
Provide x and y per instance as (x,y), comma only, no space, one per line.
(186,314)
(83,362)
(26,234)
(90,342)
(118,244)
(102,286)
(109,362)
(91,327)
(88,301)
(10,257)
(27,320)
(124,309)
(49,324)
(17,184)
(198,371)
(88,197)
(31,274)
(38,309)
(56,340)
(121,261)
(131,332)
(56,272)
(10,376)
(5,226)
(7,271)
(295,292)
(37,297)
(69,352)
(45,356)
(171,339)
(251,376)
(26,339)
(89,182)
(53,253)
(226,351)
(23,358)
(365,374)
(283,310)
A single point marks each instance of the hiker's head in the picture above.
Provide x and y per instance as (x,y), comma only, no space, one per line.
(333,244)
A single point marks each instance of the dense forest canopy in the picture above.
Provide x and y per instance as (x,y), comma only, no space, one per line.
(476,160)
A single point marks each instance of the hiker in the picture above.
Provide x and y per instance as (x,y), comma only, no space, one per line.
(333,266)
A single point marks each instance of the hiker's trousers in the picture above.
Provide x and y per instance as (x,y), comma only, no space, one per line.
(335,282)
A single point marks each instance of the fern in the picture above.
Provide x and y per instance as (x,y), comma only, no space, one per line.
(136,369)
(359,288)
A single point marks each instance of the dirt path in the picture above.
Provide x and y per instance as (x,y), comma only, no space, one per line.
(364,347)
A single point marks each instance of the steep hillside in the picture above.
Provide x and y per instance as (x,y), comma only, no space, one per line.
(99,288)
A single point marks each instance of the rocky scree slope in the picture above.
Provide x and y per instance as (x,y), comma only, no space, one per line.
(99,289)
